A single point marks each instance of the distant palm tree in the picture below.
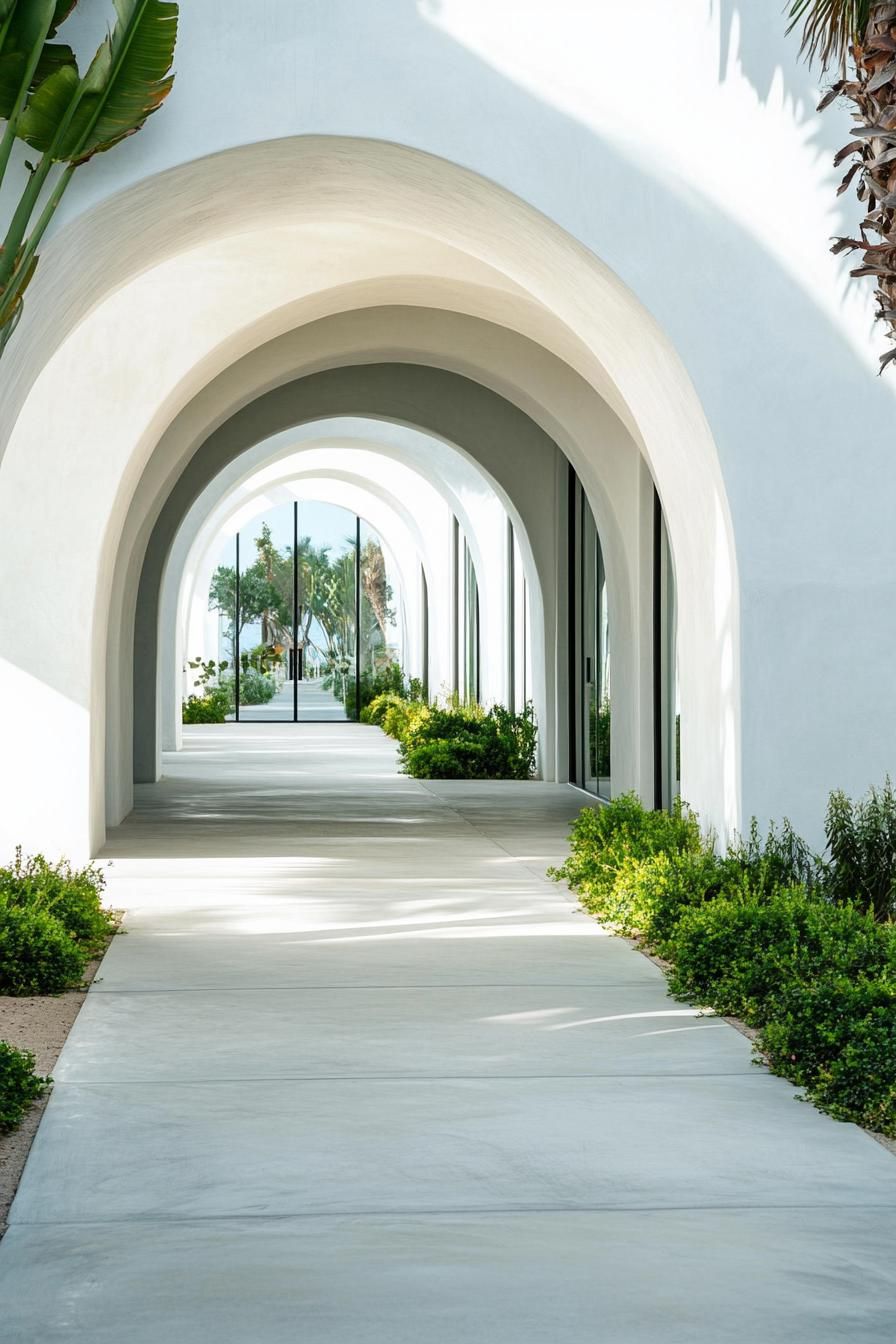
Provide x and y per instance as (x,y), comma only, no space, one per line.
(859,36)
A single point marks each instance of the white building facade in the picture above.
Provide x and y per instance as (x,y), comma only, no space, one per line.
(581,254)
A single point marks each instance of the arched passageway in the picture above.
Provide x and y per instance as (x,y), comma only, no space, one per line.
(424,499)
(537,335)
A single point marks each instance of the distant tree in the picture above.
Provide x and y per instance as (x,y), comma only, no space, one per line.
(256,596)
(375,585)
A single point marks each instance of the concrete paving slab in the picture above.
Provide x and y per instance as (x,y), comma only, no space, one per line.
(277,1148)
(422,948)
(759,1276)
(349,991)
(419,1031)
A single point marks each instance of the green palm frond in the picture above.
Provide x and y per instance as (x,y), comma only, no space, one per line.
(829,26)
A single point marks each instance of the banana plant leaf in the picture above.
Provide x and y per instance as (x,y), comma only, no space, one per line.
(128,80)
(24,26)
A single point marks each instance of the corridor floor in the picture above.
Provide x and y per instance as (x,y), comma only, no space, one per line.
(357,1073)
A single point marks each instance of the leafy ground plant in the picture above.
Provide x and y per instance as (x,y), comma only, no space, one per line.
(52,921)
(799,947)
(467,742)
(861,838)
(19,1086)
(453,740)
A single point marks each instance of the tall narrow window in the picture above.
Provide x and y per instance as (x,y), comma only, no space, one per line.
(595,626)
(471,630)
(667,713)
(589,650)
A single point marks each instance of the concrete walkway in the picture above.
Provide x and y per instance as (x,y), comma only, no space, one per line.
(315,705)
(358,1074)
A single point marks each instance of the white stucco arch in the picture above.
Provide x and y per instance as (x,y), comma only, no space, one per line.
(436,474)
(340,489)
(323,226)
(520,464)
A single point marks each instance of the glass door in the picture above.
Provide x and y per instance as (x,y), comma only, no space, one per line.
(326,612)
(262,684)
(310,623)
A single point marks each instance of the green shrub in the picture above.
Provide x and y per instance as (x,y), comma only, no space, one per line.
(403,717)
(457,758)
(73,896)
(376,711)
(37,954)
(256,688)
(212,707)
(19,1086)
(766,932)
(837,1039)
(497,744)
(388,680)
(650,895)
(861,840)
(608,865)
(517,738)
(762,865)
(740,952)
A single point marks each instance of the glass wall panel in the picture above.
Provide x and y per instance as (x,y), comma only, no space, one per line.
(521,653)
(471,686)
(595,653)
(287,593)
(670,722)
(264,616)
(308,616)
(380,618)
(222,606)
(326,635)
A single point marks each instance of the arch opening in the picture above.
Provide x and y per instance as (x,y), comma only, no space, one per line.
(413,490)
(392,259)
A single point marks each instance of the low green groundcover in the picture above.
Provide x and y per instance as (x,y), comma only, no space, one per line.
(52,921)
(800,946)
(19,1085)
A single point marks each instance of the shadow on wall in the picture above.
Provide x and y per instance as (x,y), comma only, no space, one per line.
(748,33)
